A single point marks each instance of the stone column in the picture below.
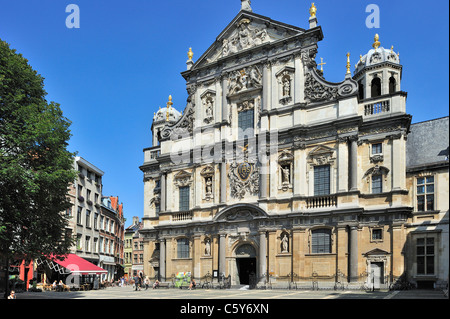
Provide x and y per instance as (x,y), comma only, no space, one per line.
(262,255)
(343,165)
(353,256)
(266,87)
(224,98)
(353,162)
(163,193)
(162,259)
(223,182)
(222,259)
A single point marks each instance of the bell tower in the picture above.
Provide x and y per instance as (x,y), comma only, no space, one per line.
(379,72)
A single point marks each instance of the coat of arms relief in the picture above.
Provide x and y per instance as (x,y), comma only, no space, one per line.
(244,177)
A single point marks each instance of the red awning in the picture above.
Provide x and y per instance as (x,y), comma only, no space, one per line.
(77,265)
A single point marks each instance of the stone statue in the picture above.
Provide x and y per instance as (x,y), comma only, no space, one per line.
(284,244)
(208,247)
(285,174)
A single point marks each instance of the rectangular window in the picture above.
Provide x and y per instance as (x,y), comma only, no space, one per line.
(80,210)
(425,256)
(78,241)
(322,180)
(88,244)
(88,218)
(377,185)
(184,198)
(183,248)
(377,148)
(321,241)
(377,234)
(96,221)
(425,193)
(246,124)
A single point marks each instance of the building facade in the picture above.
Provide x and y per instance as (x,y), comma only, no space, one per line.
(112,236)
(134,249)
(272,173)
(85,212)
(427,164)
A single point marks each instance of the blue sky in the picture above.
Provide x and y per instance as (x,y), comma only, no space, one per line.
(113,72)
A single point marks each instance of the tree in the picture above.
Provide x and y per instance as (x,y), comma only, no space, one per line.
(35,165)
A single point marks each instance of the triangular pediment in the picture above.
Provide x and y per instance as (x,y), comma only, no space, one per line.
(245,32)
(321,150)
(376,252)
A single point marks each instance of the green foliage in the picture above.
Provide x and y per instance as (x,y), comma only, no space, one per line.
(35,165)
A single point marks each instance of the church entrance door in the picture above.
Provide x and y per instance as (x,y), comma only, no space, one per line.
(246,269)
(246,264)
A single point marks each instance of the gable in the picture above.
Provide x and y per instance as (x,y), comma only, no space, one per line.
(246,31)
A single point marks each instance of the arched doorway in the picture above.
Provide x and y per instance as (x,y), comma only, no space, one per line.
(246,264)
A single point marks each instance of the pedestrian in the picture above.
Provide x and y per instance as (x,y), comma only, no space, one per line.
(12,295)
(146,282)
(156,284)
(136,282)
(192,285)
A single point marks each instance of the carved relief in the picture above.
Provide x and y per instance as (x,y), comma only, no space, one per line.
(244,178)
(247,78)
(208,105)
(317,89)
(184,125)
(246,36)
(183,178)
(321,155)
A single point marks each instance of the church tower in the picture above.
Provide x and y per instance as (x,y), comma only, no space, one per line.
(379,72)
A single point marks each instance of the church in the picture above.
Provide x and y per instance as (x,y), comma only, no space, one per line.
(273,176)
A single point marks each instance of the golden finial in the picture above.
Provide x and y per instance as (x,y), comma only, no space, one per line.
(392,49)
(312,10)
(376,42)
(190,54)
(321,64)
(169,106)
(348,63)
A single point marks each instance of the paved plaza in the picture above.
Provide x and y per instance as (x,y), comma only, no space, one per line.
(128,292)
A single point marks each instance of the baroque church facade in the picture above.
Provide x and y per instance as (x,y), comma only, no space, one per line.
(273,174)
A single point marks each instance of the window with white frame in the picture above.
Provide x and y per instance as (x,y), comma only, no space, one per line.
(425,193)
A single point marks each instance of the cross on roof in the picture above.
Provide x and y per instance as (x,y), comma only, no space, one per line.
(321,64)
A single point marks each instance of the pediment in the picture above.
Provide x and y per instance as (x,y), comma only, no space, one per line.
(376,252)
(246,31)
(320,151)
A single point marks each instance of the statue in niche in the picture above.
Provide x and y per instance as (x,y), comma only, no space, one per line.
(207,247)
(285,244)
(286,87)
(286,173)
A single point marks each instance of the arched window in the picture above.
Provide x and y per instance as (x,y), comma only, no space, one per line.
(392,85)
(321,241)
(361,90)
(376,87)
(183,248)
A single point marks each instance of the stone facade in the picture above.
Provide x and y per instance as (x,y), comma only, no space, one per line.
(272,173)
